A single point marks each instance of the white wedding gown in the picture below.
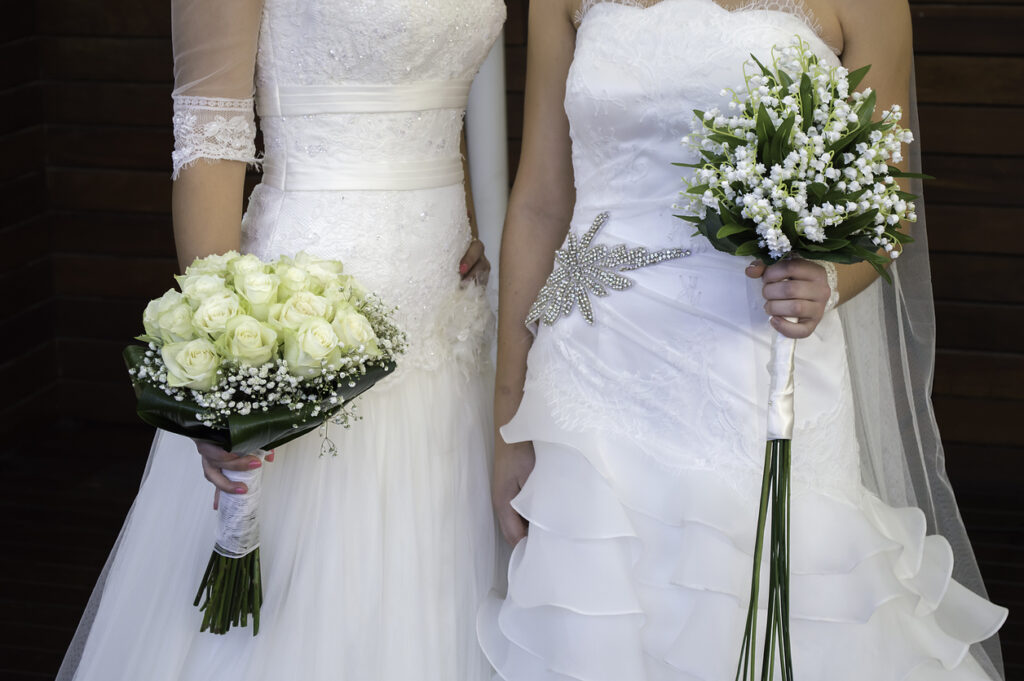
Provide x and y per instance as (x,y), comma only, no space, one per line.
(375,560)
(649,426)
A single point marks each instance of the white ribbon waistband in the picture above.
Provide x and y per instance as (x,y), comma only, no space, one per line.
(332,176)
(300,100)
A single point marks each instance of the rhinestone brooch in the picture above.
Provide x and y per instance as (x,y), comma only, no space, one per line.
(583,268)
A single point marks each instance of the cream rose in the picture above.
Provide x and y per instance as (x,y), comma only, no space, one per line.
(355,333)
(325,273)
(295,280)
(158,309)
(212,264)
(247,340)
(245,264)
(199,287)
(259,290)
(192,364)
(311,347)
(297,309)
(214,313)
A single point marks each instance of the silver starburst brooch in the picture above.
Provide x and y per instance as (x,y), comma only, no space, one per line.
(582,269)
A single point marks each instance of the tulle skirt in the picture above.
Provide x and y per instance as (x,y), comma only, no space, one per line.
(374,560)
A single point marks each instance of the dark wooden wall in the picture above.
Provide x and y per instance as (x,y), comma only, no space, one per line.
(85,240)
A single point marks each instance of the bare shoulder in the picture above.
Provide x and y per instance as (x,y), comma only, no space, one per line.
(873,19)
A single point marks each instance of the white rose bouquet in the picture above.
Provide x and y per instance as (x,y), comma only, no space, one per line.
(796,168)
(250,355)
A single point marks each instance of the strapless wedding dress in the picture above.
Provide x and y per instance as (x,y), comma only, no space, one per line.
(374,560)
(649,425)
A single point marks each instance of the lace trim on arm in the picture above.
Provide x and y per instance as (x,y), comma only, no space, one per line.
(212,128)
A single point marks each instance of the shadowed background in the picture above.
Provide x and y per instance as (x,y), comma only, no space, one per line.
(85,239)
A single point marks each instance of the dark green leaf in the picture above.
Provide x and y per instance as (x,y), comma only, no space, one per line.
(855,77)
(806,101)
(747,248)
(730,229)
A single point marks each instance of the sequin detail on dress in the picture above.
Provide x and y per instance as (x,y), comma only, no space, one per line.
(582,269)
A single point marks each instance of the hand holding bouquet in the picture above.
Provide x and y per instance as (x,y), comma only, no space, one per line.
(797,168)
(250,355)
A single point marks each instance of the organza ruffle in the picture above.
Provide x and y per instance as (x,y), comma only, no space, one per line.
(634,572)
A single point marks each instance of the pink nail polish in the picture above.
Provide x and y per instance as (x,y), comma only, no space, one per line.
(239,490)
(254,464)
(463,268)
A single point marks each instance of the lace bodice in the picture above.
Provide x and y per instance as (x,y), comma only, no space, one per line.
(360,103)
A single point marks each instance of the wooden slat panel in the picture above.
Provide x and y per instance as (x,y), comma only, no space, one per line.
(109,18)
(976,421)
(36,410)
(978,326)
(983,471)
(98,402)
(977,374)
(990,180)
(109,190)
(35,368)
(982,29)
(969,80)
(998,230)
(120,234)
(110,147)
(139,60)
(949,129)
(76,318)
(76,275)
(981,278)
(23,152)
(26,327)
(22,198)
(21,62)
(20,107)
(104,103)
(92,360)
(29,240)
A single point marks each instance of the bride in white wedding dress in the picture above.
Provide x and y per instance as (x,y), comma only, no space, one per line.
(629,469)
(374,560)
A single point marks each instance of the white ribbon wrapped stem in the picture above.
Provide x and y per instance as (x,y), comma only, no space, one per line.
(238,530)
(780,387)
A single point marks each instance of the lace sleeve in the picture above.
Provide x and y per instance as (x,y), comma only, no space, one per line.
(214,63)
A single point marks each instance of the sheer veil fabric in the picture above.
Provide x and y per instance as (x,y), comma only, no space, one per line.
(890,333)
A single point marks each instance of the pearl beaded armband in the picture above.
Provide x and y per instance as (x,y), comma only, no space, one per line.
(833,284)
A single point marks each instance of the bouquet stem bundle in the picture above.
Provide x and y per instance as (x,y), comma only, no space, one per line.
(231,590)
(774,511)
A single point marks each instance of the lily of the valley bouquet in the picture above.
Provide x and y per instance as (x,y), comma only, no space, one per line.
(796,168)
(250,355)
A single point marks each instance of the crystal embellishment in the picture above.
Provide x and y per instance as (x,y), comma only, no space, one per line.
(583,268)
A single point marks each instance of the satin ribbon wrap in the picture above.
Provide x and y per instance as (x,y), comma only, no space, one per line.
(780,387)
(238,529)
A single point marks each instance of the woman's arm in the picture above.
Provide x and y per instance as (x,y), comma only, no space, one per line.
(539,211)
(206,206)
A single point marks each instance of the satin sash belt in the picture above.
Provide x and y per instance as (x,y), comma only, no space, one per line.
(301,100)
(326,174)
(310,175)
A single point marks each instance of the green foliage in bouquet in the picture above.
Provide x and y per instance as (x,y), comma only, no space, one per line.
(799,167)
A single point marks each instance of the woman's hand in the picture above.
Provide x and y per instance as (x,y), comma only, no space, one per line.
(474,265)
(215,460)
(512,466)
(795,289)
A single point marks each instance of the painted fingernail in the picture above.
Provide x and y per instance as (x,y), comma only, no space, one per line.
(254,464)
(463,268)
(239,490)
